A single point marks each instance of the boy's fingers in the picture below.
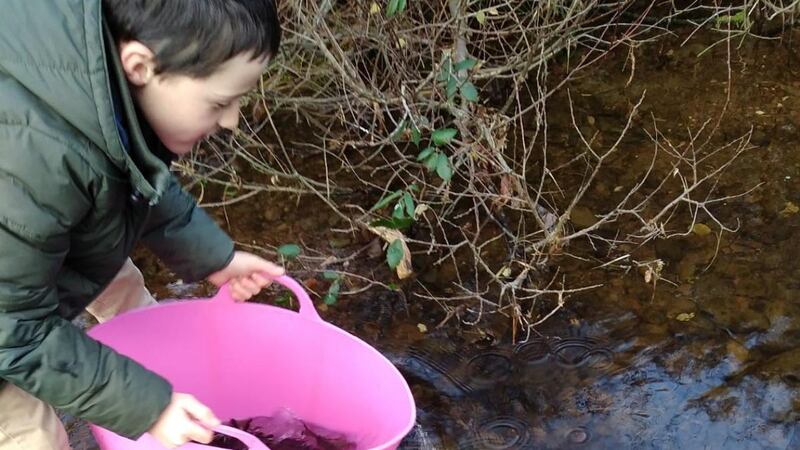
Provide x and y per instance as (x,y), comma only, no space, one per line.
(249,286)
(238,293)
(199,420)
(196,432)
(272,270)
(245,287)
(200,412)
(261,281)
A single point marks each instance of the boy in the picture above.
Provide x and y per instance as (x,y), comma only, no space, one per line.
(96,98)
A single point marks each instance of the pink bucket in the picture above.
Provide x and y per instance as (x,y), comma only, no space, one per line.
(247,360)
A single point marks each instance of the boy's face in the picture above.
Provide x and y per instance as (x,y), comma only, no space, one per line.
(183,110)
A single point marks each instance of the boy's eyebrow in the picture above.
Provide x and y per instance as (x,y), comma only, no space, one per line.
(233,96)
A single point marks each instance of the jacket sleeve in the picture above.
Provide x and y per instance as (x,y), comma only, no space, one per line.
(185,237)
(46,355)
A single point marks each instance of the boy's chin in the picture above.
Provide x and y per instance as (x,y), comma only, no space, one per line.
(180,148)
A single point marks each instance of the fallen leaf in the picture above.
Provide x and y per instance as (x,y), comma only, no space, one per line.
(422,328)
(420,210)
(684,317)
(389,235)
(701,229)
(374,8)
(312,284)
(260,112)
(738,351)
(790,209)
(481,16)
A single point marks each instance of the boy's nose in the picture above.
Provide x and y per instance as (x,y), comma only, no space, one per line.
(230,117)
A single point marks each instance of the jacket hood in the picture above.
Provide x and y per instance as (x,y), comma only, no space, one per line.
(63,55)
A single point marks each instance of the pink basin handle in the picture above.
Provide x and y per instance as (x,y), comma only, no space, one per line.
(252,442)
(307,308)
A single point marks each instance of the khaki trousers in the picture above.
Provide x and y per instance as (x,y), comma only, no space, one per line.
(27,423)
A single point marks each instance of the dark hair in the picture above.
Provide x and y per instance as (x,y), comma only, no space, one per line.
(195,37)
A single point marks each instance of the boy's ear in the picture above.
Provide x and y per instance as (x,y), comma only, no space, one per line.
(138,62)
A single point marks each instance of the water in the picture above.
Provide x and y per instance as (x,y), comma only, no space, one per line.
(285,431)
(709,359)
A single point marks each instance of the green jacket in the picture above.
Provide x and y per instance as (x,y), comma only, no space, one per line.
(73,202)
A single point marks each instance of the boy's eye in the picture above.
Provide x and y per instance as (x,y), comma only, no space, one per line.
(221,105)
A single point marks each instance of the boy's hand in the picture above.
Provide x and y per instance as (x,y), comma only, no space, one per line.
(184,420)
(248,274)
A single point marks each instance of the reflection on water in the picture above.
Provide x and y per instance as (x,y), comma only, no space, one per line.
(578,393)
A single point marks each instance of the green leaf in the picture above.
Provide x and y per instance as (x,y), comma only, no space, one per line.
(394,224)
(395,253)
(432,161)
(481,16)
(402,224)
(386,200)
(452,87)
(469,92)
(399,210)
(466,64)
(289,251)
(333,293)
(393,287)
(447,70)
(423,155)
(443,136)
(401,6)
(328,275)
(416,136)
(408,200)
(392,8)
(736,19)
(443,167)
(284,299)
